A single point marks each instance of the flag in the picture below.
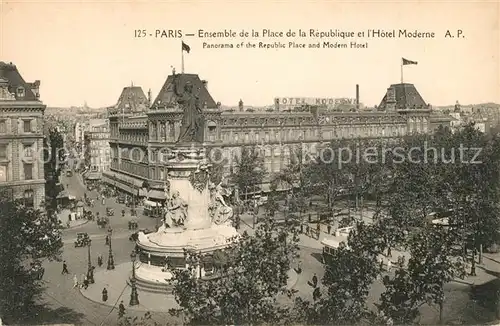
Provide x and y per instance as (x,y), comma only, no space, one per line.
(405,62)
(185,47)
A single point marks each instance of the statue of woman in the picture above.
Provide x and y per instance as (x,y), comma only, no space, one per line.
(192,120)
(176,211)
(220,211)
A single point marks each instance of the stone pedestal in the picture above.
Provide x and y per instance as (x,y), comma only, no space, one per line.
(188,174)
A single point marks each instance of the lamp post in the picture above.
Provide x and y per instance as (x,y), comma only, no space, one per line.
(134,296)
(90,270)
(111,261)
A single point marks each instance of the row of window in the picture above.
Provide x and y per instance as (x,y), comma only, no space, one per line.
(7,127)
(25,174)
(27,152)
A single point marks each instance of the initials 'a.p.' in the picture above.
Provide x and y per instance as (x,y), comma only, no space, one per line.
(458,33)
(168,33)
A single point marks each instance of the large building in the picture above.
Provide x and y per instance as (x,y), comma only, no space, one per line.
(139,139)
(97,146)
(21,137)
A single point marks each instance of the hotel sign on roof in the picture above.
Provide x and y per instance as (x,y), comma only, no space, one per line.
(330,102)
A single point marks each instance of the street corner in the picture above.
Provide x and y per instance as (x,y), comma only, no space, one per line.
(118,289)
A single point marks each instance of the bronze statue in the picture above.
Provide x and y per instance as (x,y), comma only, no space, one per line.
(192,120)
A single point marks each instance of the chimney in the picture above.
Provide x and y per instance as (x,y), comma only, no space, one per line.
(357,97)
(205,84)
(149,97)
(35,88)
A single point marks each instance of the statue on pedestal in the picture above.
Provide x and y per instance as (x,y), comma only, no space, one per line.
(192,121)
(220,212)
(176,211)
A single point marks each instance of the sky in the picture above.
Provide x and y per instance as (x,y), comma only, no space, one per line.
(88,51)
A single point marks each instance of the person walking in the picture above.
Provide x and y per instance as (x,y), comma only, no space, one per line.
(64,268)
(121,310)
(99,260)
(75,281)
(85,283)
(82,281)
(315,280)
(104,295)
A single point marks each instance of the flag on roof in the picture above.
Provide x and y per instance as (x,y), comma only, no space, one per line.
(405,62)
(185,47)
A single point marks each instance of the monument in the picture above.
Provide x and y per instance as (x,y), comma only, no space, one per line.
(196,216)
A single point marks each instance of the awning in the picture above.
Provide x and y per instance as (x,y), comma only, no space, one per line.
(151,203)
(125,187)
(143,192)
(156,194)
(93,176)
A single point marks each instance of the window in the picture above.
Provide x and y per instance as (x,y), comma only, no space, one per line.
(28,171)
(20,91)
(3,152)
(29,199)
(27,125)
(3,173)
(27,151)
(3,126)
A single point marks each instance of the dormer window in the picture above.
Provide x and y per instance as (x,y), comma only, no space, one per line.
(20,91)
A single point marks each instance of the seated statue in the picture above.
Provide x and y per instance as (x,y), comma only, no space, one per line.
(220,212)
(176,211)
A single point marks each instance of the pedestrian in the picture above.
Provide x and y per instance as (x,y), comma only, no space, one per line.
(329,228)
(121,310)
(75,282)
(82,280)
(99,260)
(389,265)
(104,295)
(85,283)
(107,240)
(315,280)
(64,268)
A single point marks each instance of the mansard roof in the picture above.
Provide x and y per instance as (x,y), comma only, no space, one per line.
(10,74)
(407,97)
(132,99)
(167,97)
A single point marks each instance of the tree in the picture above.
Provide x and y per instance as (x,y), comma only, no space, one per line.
(432,264)
(341,300)
(53,154)
(28,235)
(250,171)
(246,286)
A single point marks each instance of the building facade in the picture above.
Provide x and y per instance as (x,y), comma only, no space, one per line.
(97,140)
(21,137)
(140,140)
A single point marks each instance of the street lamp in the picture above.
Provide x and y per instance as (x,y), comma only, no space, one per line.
(134,296)
(90,270)
(111,261)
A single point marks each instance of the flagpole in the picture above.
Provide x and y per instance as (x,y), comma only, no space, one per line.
(401,71)
(182,58)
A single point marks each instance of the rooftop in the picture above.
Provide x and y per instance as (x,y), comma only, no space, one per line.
(404,97)
(167,96)
(13,82)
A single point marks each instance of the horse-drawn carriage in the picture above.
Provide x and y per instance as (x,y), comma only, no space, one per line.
(82,240)
(110,211)
(132,225)
(102,222)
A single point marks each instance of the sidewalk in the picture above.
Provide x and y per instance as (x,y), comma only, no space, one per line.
(115,282)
